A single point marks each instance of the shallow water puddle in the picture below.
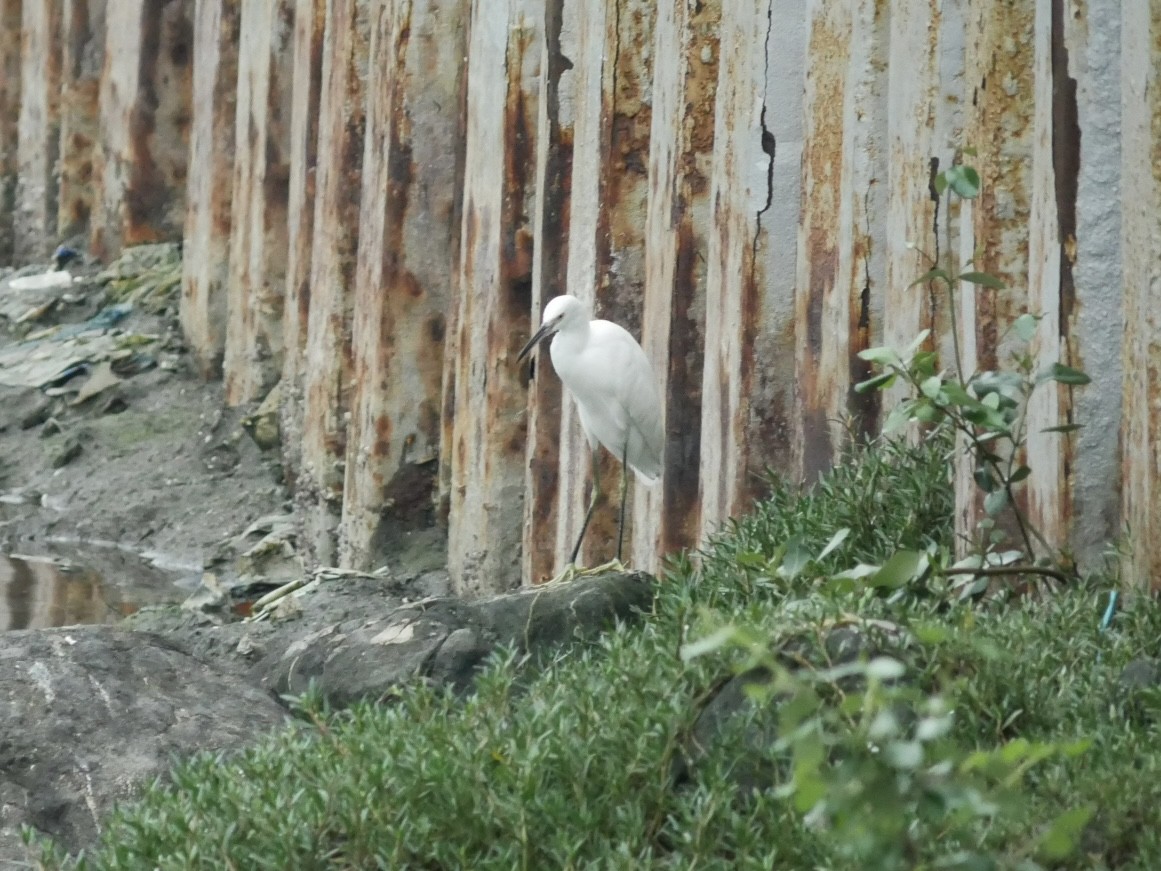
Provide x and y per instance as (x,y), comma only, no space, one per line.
(38,592)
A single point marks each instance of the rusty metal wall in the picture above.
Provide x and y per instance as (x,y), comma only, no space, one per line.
(11,36)
(147,110)
(685,77)
(485,421)
(206,242)
(261,176)
(38,131)
(1140,235)
(305,93)
(83,28)
(380,196)
(327,388)
(408,234)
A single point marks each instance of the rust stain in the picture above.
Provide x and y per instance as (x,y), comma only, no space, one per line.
(159,124)
(1000,125)
(828,57)
(544,406)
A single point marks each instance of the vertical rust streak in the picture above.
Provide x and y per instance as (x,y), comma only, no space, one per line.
(305,91)
(1066,145)
(549,279)
(10,90)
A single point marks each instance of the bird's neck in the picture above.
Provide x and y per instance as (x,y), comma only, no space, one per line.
(572,339)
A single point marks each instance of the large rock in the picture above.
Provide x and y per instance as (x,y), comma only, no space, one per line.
(88,715)
(445,640)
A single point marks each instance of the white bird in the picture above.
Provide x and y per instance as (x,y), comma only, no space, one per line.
(612,383)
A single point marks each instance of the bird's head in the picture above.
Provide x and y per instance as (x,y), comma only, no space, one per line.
(63,256)
(559,314)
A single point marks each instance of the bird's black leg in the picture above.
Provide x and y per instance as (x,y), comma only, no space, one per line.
(592,504)
(624,492)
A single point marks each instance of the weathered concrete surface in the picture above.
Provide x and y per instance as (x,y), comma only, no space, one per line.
(144,154)
(685,75)
(258,221)
(606,266)
(998,86)
(408,237)
(205,266)
(554,138)
(10,30)
(924,124)
(83,42)
(841,278)
(1091,48)
(748,382)
(484,402)
(1140,240)
(89,715)
(38,132)
(327,362)
(306,85)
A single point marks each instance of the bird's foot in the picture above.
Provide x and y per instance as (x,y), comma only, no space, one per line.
(572,571)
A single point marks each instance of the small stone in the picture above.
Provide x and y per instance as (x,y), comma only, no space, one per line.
(115,405)
(65,453)
(37,416)
(263,426)
(51,427)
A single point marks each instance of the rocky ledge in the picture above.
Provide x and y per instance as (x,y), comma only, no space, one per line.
(88,715)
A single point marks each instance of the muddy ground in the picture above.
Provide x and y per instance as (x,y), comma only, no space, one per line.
(154,464)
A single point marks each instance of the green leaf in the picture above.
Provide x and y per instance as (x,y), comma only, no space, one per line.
(879,382)
(1019,475)
(931,386)
(955,393)
(916,343)
(1063,374)
(1025,326)
(885,668)
(970,151)
(983,279)
(898,417)
(899,569)
(796,559)
(835,540)
(906,755)
(1063,836)
(964,180)
(862,570)
(1066,427)
(884,356)
(931,275)
(923,363)
(984,479)
(940,184)
(714,641)
(995,502)
(931,633)
(751,560)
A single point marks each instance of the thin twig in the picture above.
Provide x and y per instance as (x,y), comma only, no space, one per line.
(995,571)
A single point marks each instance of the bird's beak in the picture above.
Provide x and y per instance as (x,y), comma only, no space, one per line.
(539,336)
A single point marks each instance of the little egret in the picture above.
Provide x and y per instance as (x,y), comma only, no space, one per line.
(609,378)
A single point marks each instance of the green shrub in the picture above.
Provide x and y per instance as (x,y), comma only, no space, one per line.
(571,767)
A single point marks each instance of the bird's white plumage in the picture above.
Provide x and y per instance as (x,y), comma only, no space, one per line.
(612,383)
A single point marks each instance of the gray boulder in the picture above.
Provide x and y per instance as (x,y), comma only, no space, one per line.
(89,715)
(444,640)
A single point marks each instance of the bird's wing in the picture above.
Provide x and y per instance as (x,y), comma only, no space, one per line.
(647,430)
(641,408)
